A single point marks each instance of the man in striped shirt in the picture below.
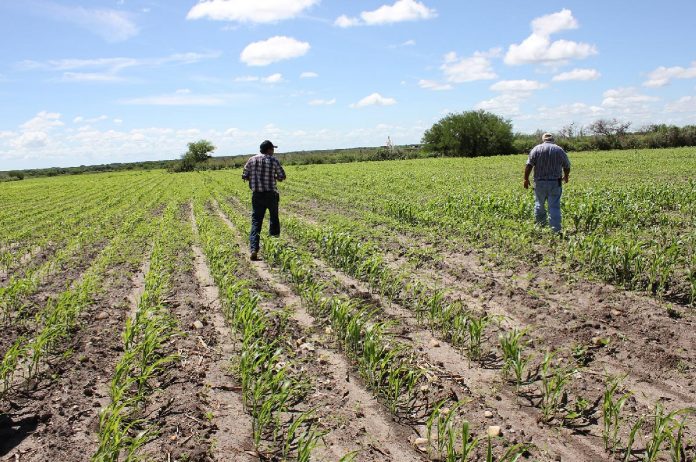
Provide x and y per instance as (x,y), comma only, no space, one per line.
(548,160)
(262,171)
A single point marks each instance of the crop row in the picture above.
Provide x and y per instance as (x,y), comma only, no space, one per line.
(108,222)
(55,322)
(462,328)
(271,386)
(122,427)
(637,235)
(389,368)
(70,224)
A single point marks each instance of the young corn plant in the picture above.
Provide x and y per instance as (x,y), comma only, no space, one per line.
(514,361)
(476,327)
(664,425)
(632,438)
(611,412)
(469,442)
(677,446)
(553,383)
(511,454)
(442,421)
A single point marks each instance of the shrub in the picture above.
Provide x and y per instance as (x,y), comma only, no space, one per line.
(470,134)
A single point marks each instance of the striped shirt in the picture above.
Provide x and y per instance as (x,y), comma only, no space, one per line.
(262,171)
(548,160)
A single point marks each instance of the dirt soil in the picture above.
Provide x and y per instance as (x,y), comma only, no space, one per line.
(602,329)
(56,416)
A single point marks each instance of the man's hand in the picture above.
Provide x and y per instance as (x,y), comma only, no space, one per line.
(526,183)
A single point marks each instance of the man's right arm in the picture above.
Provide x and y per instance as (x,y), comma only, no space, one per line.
(527,171)
(566,167)
(528,167)
(245,172)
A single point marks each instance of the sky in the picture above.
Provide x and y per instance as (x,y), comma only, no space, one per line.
(91,82)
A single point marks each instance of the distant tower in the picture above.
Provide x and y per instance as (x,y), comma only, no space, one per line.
(390,145)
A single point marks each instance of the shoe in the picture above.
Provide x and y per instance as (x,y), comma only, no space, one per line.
(254,256)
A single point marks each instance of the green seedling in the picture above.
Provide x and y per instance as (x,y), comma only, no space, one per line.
(611,412)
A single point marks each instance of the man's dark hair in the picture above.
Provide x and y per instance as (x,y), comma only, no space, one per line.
(266,146)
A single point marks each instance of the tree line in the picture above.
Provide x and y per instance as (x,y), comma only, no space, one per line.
(481,133)
(465,134)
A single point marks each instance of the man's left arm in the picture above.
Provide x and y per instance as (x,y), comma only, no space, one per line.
(279,172)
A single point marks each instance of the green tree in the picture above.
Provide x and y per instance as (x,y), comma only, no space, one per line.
(470,134)
(198,150)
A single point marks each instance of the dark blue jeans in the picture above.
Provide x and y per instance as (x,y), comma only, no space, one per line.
(260,202)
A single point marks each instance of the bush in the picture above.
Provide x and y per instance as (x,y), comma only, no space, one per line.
(197,152)
(470,134)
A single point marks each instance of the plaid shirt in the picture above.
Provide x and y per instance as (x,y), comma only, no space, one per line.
(262,171)
(548,160)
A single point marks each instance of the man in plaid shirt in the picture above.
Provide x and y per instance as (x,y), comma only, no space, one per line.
(548,160)
(262,171)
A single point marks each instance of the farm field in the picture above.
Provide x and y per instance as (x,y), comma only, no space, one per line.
(410,311)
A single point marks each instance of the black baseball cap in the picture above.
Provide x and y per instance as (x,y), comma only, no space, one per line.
(265,145)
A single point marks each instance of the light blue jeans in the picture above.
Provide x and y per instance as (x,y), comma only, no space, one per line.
(548,191)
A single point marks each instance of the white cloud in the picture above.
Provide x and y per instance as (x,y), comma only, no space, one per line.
(663,75)
(111,25)
(91,120)
(94,146)
(30,140)
(181,99)
(189,132)
(35,132)
(555,117)
(256,11)
(91,77)
(400,11)
(432,85)
(538,47)
(344,21)
(476,67)
(273,78)
(247,78)
(683,104)
(43,121)
(109,69)
(554,23)
(626,99)
(577,74)
(375,99)
(512,86)
(274,49)
(506,104)
(322,102)
(309,75)
(118,121)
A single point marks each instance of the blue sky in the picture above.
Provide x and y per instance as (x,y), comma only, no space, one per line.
(86,82)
